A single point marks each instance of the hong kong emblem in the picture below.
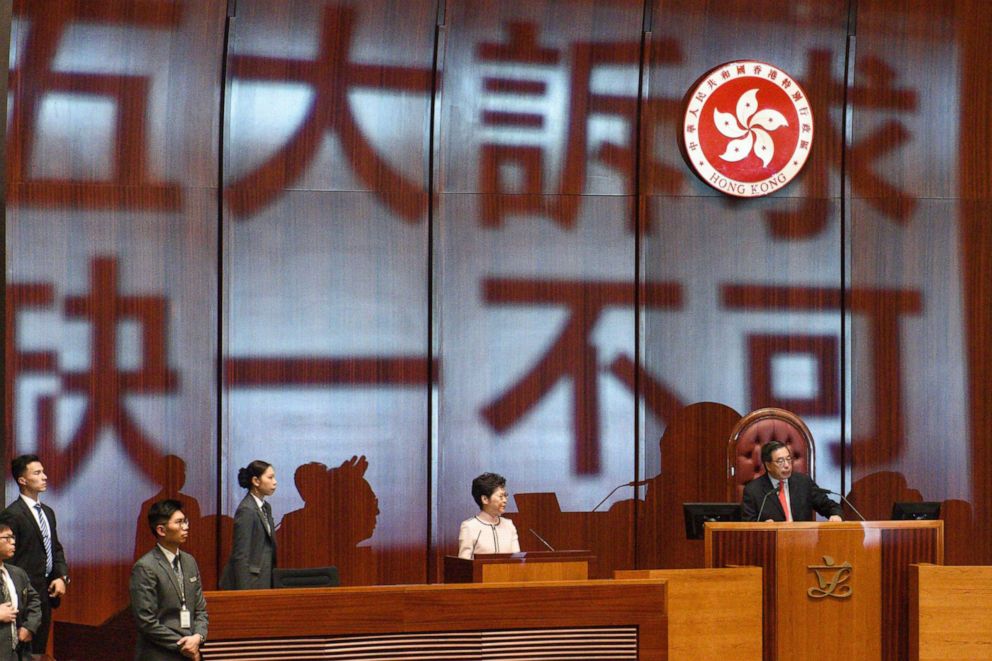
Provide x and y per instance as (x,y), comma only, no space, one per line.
(748,128)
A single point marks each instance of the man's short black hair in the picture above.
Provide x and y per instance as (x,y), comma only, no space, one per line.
(20,464)
(161,512)
(5,527)
(486,485)
(768,448)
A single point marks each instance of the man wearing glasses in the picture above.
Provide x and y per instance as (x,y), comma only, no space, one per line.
(781,495)
(20,606)
(166,592)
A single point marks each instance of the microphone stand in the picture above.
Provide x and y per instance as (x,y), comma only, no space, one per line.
(763,500)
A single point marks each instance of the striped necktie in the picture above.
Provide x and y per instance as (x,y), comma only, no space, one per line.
(46,537)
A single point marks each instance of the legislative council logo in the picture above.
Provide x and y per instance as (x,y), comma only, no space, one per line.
(748,128)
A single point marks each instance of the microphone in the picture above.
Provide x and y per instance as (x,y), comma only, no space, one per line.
(841,496)
(543,541)
(635,483)
(476,542)
(762,508)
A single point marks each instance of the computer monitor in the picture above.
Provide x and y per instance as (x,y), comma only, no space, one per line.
(306,577)
(925,511)
(696,514)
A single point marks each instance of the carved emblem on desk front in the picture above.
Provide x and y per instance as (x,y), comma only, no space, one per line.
(831,579)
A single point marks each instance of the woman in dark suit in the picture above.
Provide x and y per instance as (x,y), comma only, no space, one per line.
(253,554)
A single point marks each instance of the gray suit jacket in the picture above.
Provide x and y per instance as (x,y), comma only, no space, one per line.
(253,553)
(155,604)
(28,615)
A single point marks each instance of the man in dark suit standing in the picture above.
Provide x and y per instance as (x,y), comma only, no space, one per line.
(20,606)
(38,551)
(781,495)
(166,591)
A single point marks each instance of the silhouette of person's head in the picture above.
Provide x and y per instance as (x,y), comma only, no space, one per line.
(171,473)
(353,500)
(311,483)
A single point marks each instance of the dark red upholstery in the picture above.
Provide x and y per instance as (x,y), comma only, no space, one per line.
(754,430)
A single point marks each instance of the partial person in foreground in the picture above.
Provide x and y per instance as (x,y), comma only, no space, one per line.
(166,592)
(488,531)
(253,552)
(20,606)
(39,552)
(782,495)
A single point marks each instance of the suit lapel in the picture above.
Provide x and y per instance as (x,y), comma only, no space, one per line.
(170,573)
(267,526)
(26,511)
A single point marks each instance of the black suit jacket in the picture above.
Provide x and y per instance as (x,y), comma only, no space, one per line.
(253,552)
(804,498)
(29,554)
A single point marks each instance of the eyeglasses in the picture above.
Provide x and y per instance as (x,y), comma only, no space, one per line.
(783,461)
(183,523)
(9,538)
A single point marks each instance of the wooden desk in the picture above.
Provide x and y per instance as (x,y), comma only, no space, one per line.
(713,614)
(831,590)
(950,613)
(516,567)
(622,619)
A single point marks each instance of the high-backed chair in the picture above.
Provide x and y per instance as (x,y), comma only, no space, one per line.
(754,430)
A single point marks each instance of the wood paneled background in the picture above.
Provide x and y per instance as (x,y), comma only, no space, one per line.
(387,245)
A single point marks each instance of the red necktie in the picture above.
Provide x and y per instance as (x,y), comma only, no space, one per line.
(785,503)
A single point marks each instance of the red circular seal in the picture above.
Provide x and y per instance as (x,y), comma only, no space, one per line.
(748,128)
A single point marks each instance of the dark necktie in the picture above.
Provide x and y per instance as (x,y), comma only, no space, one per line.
(178,568)
(5,598)
(267,516)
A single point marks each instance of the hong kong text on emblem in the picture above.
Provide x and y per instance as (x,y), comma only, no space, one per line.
(748,128)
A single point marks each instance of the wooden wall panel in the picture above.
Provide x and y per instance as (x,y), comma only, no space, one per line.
(546,310)
(536,339)
(111,294)
(326,363)
(535,288)
(913,272)
(973,24)
(760,318)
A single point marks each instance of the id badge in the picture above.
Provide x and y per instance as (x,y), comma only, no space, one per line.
(184,619)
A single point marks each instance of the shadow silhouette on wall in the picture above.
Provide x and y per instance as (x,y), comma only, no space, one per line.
(693,469)
(339,512)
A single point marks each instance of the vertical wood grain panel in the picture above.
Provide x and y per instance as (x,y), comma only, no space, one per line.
(763,272)
(326,362)
(973,24)
(111,281)
(913,248)
(534,263)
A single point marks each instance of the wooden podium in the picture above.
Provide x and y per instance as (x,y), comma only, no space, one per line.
(514,567)
(831,590)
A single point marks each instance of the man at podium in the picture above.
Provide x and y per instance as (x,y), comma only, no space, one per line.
(781,495)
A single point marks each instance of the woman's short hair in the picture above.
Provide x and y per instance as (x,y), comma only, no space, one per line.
(486,485)
(255,469)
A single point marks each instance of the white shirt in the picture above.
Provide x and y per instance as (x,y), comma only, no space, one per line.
(169,555)
(31,502)
(11,590)
(477,536)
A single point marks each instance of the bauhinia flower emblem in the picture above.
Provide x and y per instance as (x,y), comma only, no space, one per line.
(749,130)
